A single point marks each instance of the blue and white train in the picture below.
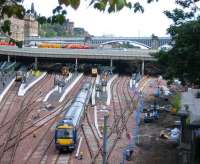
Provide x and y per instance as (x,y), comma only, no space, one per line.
(66,132)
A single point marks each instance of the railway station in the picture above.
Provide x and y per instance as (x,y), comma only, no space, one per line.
(103,86)
(76,106)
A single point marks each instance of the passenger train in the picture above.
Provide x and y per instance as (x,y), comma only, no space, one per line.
(68,46)
(66,132)
(94,72)
(20,74)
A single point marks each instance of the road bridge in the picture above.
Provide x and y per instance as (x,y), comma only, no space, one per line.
(105,54)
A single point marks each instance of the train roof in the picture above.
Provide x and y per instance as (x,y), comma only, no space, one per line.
(76,109)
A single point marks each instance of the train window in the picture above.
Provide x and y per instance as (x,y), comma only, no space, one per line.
(64,133)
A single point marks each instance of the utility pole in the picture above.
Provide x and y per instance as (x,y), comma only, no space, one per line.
(76,65)
(105,139)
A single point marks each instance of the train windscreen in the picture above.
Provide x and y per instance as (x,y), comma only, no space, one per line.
(64,133)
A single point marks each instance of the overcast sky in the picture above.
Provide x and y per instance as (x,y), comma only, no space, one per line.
(123,23)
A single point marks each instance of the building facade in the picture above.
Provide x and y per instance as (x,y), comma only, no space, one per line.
(17,28)
(22,28)
(30,26)
(80,32)
(70,28)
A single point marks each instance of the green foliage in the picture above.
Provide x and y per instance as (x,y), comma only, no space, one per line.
(198,94)
(19,44)
(73,3)
(138,7)
(15,8)
(183,60)
(52,30)
(6,27)
(176,101)
(107,5)
(58,17)
(179,16)
(169,82)
(51,34)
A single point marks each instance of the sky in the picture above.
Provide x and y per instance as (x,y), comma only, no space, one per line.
(124,23)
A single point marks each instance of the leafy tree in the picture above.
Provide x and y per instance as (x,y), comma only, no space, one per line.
(15,8)
(58,29)
(51,34)
(183,59)
(9,8)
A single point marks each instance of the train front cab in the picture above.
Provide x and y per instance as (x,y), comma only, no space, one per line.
(65,137)
(18,76)
(94,72)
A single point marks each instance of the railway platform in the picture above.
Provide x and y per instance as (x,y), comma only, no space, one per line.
(31,79)
(61,88)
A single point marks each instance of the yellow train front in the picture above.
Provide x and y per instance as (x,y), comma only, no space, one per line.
(66,136)
(94,72)
(18,76)
(65,71)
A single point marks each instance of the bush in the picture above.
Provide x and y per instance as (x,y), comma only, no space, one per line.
(176,101)
(169,82)
(198,94)
(19,44)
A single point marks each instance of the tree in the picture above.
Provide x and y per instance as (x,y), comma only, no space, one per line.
(15,8)
(51,34)
(183,60)
(58,29)
(9,8)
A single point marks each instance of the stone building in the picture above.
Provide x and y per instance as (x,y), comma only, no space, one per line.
(23,28)
(155,42)
(70,28)
(17,28)
(30,26)
(80,32)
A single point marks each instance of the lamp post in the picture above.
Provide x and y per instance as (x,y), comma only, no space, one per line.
(105,139)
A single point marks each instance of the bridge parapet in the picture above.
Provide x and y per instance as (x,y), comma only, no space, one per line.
(148,41)
(119,54)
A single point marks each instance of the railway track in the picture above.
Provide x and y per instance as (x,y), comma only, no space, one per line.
(88,130)
(24,100)
(11,91)
(121,96)
(39,154)
(7,105)
(38,124)
(126,118)
(91,139)
(27,98)
(16,126)
(63,159)
(123,118)
(114,105)
(8,99)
